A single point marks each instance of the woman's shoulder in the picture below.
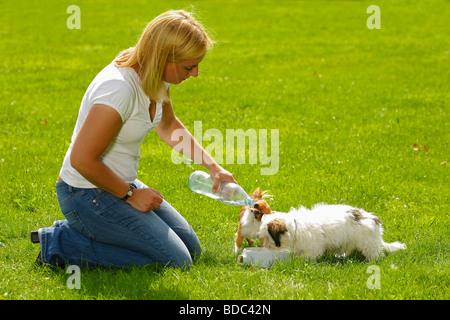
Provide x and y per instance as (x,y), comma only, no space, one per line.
(113,73)
(117,79)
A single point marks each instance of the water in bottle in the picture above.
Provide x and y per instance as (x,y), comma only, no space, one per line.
(228,192)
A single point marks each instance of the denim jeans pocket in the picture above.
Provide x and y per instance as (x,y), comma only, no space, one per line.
(65,196)
(78,224)
(104,201)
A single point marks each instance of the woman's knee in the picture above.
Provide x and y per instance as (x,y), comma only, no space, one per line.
(182,260)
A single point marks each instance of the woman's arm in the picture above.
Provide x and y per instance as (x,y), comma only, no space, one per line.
(169,123)
(99,128)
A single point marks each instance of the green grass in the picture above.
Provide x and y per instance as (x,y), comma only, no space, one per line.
(349,104)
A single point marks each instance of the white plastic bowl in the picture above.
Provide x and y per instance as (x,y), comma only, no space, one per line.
(265,257)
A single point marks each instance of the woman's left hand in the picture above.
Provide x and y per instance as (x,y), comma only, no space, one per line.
(219,175)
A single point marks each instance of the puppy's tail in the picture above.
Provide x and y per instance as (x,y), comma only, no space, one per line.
(391,247)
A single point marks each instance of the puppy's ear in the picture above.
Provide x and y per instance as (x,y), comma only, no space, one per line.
(275,228)
(257,194)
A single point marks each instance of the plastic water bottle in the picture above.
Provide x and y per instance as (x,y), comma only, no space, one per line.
(228,192)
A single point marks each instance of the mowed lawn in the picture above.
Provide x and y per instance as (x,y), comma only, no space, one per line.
(362,117)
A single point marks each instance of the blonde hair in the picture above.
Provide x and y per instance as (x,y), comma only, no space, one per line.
(172,36)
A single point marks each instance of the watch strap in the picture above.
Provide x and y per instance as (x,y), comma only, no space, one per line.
(129,193)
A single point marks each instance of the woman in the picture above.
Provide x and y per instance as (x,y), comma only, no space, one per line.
(113,219)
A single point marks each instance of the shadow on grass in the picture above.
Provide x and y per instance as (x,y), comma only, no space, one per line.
(109,283)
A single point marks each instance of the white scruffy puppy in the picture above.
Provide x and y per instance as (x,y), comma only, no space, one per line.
(340,229)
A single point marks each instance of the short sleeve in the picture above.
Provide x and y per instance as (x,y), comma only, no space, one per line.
(115,94)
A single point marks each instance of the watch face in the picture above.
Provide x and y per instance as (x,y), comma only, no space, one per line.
(129,193)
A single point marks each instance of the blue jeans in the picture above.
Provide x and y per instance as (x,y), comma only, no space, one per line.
(103,230)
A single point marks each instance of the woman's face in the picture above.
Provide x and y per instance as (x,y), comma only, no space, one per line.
(177,72)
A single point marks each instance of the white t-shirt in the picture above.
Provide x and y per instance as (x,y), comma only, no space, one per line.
(120,89)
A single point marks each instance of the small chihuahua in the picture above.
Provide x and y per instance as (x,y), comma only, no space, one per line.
(250,219)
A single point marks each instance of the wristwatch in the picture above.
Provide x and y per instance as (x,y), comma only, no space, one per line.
(129,193)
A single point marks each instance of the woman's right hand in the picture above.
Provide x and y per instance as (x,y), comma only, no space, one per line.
(145,199)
